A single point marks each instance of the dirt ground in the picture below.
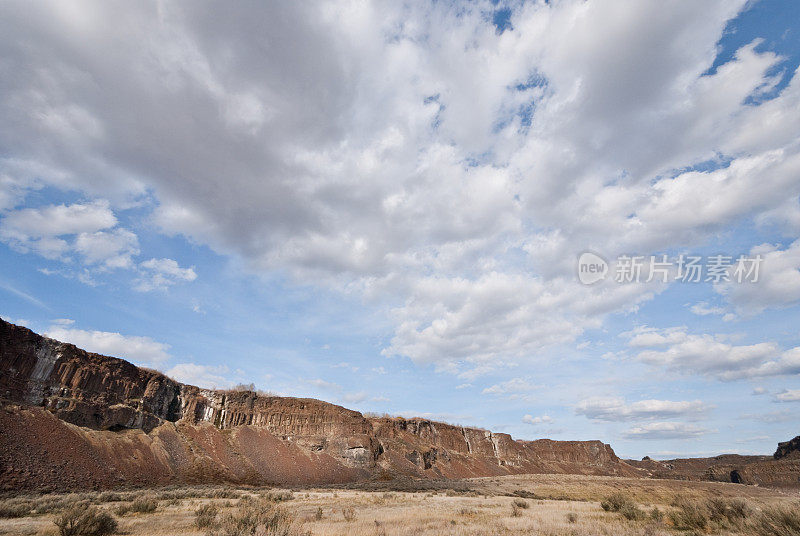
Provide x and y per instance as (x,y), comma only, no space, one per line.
(531,504)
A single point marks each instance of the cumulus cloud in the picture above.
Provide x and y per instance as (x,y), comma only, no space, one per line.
(513,389)
(616,409)
(140,350)
(206,376)
(530,419)
(162,273)
(408,153)
(788,395)
(110,249)
(45,230)
(665,430)
(712,355)
(778,282)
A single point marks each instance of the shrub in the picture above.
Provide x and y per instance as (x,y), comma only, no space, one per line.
(521,503)
(205,516)
(572,517)
(318,513)
(80,521)
(225,494)
(778,521)
(278,496)
(689,515)
(141,505)
(632,512)
(11,509)
(656,514)
(738,509)
(725,512)
(349,514)
(47,504)
(616,502)
(255,517)
(110,496)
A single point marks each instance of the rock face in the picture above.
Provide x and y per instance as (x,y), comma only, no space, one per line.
(780,470)
(73,419)
(788,449)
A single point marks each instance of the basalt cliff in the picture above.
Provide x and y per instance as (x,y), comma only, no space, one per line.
(72,419)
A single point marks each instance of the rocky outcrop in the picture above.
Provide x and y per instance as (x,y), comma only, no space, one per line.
(788,449)
(780,470)
(83,388)
(72,419)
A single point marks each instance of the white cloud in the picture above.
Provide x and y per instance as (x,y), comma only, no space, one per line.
(159,274)
(513,389)
(354,398)
(340,162)
(713,355)
(323,384)
(616,409)
(206,376)
(140,350)
(778,282)
(788,395)
(530,419)
(58,220)
(110,249)
(44,229)
(665,430)
(704,309)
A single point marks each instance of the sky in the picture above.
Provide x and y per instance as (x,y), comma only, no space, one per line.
(385,205)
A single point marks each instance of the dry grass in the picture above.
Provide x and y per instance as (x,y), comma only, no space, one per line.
(554,505)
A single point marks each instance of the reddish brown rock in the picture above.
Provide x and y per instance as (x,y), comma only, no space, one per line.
(73,419)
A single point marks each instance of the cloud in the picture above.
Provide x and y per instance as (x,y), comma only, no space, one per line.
(778,284)
(206,376)
(159,274)
(354,398)
(665,430)
(323,384)
(530,419)
(788,395)
(43,230)
(110,249)
(703,309)
(513,389)
(770,417)
(616,409)
(339,163)
(713,355)
(139,350)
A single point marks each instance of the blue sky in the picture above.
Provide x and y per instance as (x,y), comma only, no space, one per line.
(373,205)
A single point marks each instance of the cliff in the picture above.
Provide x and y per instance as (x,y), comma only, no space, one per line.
(788,449)
(780,470)
(73,419)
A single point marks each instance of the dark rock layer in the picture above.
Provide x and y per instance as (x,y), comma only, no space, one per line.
(72,419)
